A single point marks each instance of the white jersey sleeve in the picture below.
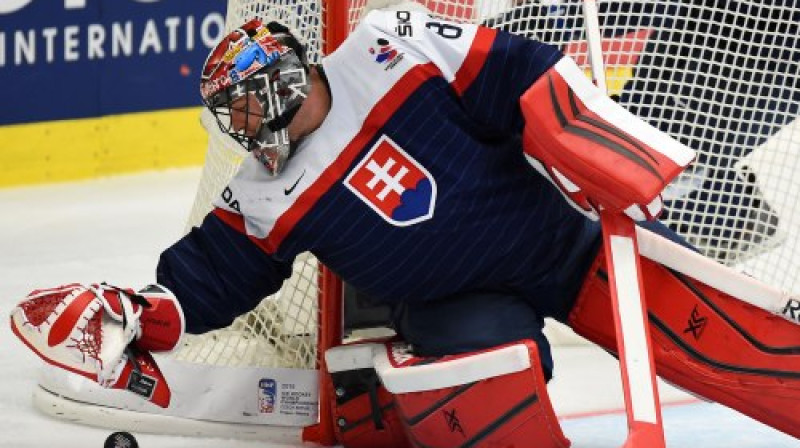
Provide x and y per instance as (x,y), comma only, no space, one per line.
(444,44)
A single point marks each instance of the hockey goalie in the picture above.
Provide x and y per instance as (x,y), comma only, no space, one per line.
(454,173)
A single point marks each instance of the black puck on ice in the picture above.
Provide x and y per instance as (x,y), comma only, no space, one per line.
(121,439)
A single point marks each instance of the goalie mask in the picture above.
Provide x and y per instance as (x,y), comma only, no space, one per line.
(254,81)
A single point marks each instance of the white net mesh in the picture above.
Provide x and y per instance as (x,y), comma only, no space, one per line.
(282,330)
(722,77)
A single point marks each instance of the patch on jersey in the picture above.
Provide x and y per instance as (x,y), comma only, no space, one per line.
(393,184)
(385,53)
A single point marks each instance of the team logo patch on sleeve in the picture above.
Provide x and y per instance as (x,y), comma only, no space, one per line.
(385,53)
(393,184)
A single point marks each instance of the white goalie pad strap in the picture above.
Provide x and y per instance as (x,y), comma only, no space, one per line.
(653,209)
(565,181)
(398,373)
(351,357)
(636,213)
(568,186)
(716,275)
(655,206)
(595,100)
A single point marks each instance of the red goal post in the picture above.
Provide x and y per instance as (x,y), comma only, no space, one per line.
(722,79)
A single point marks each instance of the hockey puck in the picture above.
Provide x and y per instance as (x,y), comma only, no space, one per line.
(121,439)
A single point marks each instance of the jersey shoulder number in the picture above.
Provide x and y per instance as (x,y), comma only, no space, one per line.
(418,26)
(444,43)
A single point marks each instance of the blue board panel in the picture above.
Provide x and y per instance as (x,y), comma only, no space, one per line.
(66,59)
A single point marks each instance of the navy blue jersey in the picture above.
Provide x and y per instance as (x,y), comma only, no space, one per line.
(413,188)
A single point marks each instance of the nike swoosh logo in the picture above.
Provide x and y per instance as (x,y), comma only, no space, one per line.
(288,191)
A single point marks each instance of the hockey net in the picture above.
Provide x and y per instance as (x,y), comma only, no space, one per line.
(722,77)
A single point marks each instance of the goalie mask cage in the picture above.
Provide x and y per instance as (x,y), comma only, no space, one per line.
(720,76)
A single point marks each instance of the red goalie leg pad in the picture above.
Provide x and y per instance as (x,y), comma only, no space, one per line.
(492,398)
(707,342)
(364,413)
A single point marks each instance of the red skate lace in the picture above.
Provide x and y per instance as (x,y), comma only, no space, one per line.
(91,339)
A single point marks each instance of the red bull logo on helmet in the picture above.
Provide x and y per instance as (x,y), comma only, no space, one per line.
(245,51)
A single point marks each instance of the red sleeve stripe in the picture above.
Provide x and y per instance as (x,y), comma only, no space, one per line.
(376,119)
(476,57)
(236,222)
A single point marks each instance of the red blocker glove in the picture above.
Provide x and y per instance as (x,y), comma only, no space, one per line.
(103,333)
(596,152)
